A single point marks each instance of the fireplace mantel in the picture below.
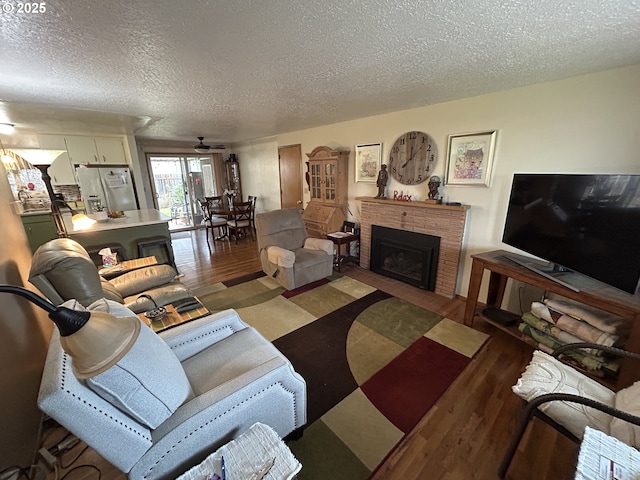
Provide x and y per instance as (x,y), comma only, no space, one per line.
(416,204)
(444,221)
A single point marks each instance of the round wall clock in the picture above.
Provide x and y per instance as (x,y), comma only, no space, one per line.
(413,158)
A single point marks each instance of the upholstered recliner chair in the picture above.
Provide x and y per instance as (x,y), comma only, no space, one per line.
(62,270)
(176,396)
(287,254)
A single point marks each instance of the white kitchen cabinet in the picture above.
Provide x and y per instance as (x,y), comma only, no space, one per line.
(51,142)
(110,151)
(82,150)
(95,150)
(62,172)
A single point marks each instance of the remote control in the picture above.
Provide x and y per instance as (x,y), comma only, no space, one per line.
(187,307)
(183,301)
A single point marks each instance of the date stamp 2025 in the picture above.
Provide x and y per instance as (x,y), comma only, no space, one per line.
(22,8)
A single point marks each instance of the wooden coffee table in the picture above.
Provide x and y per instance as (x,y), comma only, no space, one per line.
(173,318)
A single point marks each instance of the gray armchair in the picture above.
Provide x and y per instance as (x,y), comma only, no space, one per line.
(287,254)
(62,270)
(176,396)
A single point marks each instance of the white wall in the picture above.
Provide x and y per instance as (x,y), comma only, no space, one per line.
(584,124)
(260,172)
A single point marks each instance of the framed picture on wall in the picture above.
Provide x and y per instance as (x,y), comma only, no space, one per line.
(368,161)
(470,158)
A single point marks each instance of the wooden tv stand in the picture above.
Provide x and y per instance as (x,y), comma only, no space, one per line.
(597,295)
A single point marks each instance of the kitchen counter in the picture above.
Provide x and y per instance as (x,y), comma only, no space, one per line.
(125,233)
(132,218)
(30,213)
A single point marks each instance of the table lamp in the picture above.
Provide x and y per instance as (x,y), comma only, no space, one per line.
(95,341)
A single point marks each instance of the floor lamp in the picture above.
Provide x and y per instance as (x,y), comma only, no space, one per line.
(55,209)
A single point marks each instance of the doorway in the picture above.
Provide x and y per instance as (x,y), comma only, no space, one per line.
(178,181)
(290,159)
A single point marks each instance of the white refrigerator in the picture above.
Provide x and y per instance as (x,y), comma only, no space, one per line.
(112,185)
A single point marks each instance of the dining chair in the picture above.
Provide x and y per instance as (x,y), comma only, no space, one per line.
(252,199)
(212,221)
(240,223)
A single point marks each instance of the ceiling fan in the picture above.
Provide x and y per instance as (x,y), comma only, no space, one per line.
(202,148)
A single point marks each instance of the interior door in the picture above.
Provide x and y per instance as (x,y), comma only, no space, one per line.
(290,162)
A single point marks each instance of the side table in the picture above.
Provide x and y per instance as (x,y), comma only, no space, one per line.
(250,453)
(173,318)
(342,238)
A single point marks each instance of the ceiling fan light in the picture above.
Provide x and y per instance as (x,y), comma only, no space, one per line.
(201,147)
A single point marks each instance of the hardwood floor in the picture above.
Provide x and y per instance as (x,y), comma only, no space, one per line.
(462,437)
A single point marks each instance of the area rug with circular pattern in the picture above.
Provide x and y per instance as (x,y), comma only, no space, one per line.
(374,364)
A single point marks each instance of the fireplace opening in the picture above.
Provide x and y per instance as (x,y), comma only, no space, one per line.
(407,256)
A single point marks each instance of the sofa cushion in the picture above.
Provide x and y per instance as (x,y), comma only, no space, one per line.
(284,228)
(110,292)
(143,279)
(68,270)
(627,401)
(546,374)
(148,383)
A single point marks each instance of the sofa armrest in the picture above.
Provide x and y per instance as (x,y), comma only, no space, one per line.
(143,279)
(281,257)
(319,244)
(190,338)
(116,436)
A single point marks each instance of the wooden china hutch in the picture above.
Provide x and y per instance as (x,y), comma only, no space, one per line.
(328,184)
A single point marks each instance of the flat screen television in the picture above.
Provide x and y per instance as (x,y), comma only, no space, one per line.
(589,224)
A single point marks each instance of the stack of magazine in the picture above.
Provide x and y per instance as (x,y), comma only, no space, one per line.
(606,458)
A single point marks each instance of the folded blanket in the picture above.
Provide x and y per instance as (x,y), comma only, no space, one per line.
(569,324)
(591,363)
(558,334)
(604,321)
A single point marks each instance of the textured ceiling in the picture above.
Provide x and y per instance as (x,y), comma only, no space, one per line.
(242,69)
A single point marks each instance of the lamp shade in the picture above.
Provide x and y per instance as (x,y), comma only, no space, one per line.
(81,222)
(101,343)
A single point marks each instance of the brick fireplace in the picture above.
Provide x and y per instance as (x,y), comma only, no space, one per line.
(444,221)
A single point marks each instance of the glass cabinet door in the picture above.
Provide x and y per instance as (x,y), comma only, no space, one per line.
(330,181)
(316,180)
